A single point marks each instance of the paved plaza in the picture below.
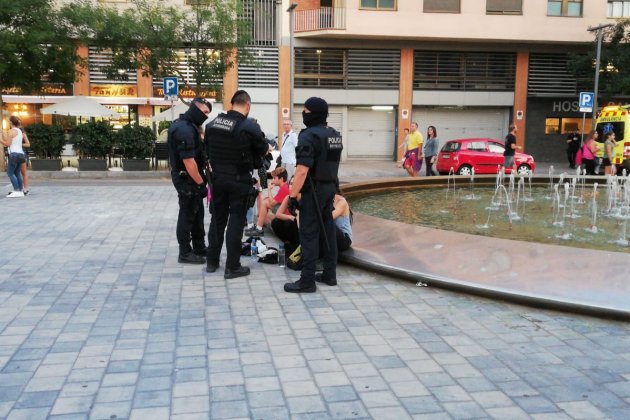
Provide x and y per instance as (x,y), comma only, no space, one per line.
(99,321)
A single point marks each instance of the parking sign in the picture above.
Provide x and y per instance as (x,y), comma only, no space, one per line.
(586,101)
(171,89)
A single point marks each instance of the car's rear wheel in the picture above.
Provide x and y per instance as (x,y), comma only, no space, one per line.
(464,170)
(523,169)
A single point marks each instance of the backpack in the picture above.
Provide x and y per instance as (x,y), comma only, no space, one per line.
(578,157)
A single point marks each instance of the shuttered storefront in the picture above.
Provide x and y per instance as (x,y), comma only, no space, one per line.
(455,123)
(370,134)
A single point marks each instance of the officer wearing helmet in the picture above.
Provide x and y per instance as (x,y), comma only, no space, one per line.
(236,146)
(186,157)
(317,157)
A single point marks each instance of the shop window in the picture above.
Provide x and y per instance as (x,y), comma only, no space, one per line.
(378,4)
(571,8)
(441,6)
(507,7)
(552,125)
(571,125)
(618,9)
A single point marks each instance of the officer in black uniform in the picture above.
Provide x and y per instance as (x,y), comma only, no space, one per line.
(186,157)
(236,146)
(318,154)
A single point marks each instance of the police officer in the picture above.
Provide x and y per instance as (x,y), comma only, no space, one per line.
(186,157)
(235,146)
(317,156)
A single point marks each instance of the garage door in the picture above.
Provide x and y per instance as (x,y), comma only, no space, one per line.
(371,134)
(335,118)
(463,123)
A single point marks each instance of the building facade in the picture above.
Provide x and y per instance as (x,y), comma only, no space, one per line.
(469,68)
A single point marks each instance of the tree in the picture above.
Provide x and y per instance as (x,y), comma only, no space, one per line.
(34,49)
(614,76)
(196,44)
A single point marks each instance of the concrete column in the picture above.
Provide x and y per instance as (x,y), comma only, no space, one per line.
(405,98)
(520,96)
(284,86)
(145,90)
(230,84)
(82,78)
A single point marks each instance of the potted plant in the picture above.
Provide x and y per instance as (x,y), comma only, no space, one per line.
(136,143)
(47,142)
(93,142)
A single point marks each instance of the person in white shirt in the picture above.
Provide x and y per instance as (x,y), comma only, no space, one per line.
(16,156)
(289,143)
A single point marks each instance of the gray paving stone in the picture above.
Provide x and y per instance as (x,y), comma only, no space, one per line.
(152,399)
(229,409)
(36,399)
(110,410)
(28,414)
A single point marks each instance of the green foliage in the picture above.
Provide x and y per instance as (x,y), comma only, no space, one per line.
(34,46)
(614,77)
(164,125)
(47,141)
(148,35)
(135,141)
(93,139)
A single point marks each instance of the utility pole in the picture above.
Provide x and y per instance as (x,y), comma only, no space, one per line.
(599,29)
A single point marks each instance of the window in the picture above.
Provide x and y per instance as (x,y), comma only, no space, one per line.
(566,125)
(452,146)
(496,148)
(571,8)
(617,127)
(618,9)
(378,4)
(477,146)
(441,6)
(508,7)
(552,125)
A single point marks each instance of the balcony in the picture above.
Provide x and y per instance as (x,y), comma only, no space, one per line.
(322,19)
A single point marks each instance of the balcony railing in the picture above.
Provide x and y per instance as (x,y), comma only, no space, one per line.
(321,19)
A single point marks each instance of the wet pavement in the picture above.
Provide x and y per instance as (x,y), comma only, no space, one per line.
(98,320)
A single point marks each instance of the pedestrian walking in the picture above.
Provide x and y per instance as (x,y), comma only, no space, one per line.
(431,146)
(510,148)
(16,157)
(318,155)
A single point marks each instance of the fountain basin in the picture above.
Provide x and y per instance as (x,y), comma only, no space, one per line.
(558,277)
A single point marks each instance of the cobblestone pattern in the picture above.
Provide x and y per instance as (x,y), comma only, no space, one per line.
(99,321)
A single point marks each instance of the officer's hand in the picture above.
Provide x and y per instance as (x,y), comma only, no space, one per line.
(294,206)
(202,190)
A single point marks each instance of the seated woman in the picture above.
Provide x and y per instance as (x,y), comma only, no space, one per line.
(279,179)
(343,221)
(285,225)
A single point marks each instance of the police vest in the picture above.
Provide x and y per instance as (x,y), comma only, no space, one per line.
(228,152)
(326,165)
(183,136)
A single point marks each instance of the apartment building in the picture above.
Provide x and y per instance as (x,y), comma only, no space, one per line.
(470,68)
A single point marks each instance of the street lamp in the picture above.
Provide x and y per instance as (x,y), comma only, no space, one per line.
(292,55)
(599,29)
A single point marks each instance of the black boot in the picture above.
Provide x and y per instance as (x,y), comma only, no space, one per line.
(191,258)
(301,286)
(211,267)
(232,273)
(321,278)
(201,251)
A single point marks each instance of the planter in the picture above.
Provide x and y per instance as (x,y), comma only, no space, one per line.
(135,164)
(45,164)
(92,164)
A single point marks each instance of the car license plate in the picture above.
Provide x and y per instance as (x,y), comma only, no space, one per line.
(446,156)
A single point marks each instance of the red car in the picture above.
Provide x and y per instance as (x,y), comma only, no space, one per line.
(484,155)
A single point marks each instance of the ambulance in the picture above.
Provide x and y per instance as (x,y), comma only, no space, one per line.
(615,118)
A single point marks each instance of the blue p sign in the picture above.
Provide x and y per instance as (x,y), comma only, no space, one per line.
(586,101)
(171,88)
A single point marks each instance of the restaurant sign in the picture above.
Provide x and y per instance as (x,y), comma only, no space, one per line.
(114,90)
(187,93)
(47,89)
